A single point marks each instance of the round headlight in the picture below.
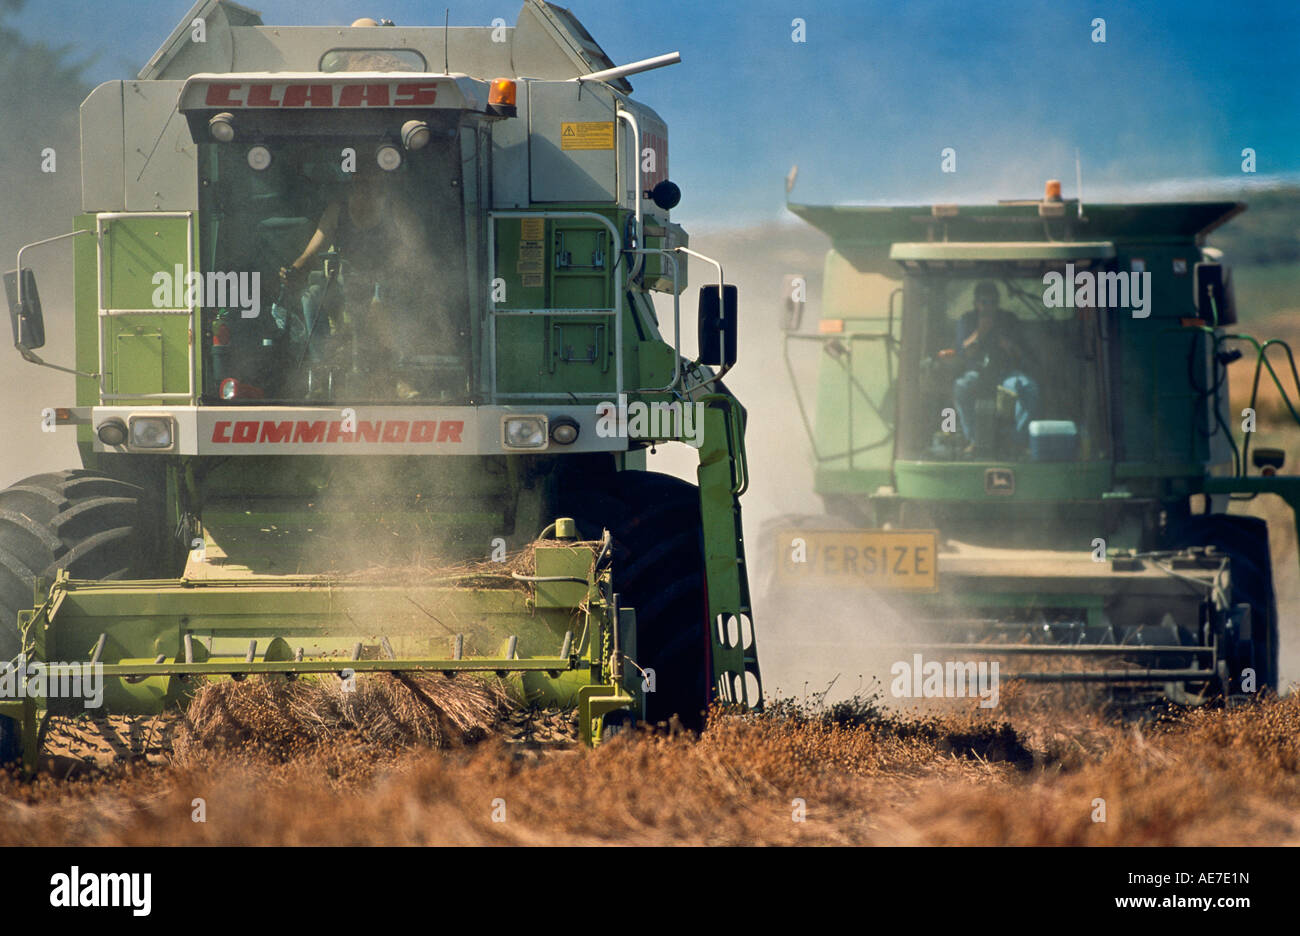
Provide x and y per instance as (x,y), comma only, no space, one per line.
(389,158)
(259,158)
(222,127)
(112,432)
(564,430)
(415,134)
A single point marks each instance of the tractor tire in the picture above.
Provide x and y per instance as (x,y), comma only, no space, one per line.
(658,556)
(1245,540)
(82,521)
(9,748)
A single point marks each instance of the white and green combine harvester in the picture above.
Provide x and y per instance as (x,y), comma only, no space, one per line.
(360,313)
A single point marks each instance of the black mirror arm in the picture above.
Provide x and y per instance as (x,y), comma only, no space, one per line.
(31,357)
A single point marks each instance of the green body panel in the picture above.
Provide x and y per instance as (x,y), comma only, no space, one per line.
(1033,482)
(571,267)
(149,352)
(854,439)
(723,477)
(85,320)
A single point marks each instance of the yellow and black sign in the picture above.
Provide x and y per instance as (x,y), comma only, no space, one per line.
(532,230)
(902,560)
(587,135)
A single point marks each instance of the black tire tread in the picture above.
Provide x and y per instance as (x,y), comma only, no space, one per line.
(654,520)
(78,520)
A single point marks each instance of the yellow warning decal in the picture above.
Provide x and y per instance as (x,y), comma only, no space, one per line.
(587,135)
(532,229)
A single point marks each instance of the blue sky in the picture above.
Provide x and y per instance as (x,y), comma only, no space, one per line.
(866,105)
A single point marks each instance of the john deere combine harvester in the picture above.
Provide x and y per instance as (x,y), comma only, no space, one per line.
(1024,446)
(359,310)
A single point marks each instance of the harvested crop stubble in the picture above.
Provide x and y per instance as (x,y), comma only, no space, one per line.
(1205,777)
(383,710)
(858,776)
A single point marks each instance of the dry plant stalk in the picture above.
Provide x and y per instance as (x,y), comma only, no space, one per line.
(383,710)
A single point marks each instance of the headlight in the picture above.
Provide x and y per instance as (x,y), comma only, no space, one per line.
(112,432)
(388,158)
(415,134)
(259,158)
(222,127)
(524,432)
(564,430)
(151,432)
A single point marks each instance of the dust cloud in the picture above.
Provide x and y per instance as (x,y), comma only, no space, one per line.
(818,641)
(35,205)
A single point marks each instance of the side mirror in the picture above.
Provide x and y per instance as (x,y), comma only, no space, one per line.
(1213,284)
(26,318)
(718,325)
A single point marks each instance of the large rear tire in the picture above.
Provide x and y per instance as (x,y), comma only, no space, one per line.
(92,525)
(654,520)
(1245,540)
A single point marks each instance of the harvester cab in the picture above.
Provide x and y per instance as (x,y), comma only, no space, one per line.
(367,365)
(1022,440)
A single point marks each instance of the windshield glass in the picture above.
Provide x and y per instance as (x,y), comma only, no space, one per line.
(361,266)
(991,372)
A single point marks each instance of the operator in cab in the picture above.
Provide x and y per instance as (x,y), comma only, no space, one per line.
(377,238)
(995,362)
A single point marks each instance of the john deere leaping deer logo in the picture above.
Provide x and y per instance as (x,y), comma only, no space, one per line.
(999,481)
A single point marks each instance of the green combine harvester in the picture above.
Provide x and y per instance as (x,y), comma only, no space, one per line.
(1024,448)
(367,366)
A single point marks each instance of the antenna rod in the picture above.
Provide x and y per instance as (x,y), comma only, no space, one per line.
(446,41)
(632,68)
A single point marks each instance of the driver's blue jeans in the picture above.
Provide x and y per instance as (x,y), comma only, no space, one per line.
(965,391)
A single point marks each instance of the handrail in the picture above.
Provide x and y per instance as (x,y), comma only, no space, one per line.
(1240,455)
(677,322)
(630,119)
(1262,361)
